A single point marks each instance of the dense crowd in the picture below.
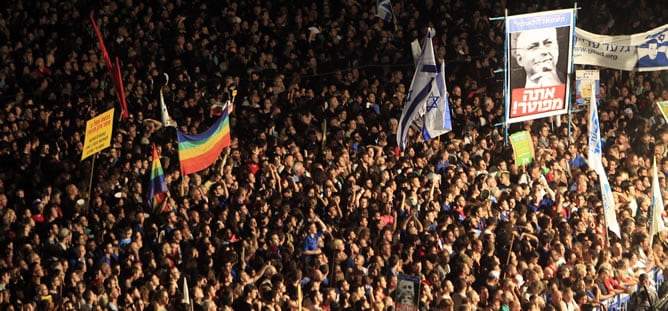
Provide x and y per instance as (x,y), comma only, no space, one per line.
(313,203)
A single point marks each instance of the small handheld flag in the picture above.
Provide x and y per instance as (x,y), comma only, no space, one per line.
(158,189)
(167,120)
(384,10)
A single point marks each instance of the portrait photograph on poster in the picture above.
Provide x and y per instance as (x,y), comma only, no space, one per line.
(539,64)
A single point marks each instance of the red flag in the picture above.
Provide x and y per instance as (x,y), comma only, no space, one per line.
(105,54)
(120,90)
(114,73)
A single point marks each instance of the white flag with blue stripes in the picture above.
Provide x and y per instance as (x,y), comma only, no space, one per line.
(437,119)
(594,157)
(608,204)
(384,10)
(656,224)
(423,91)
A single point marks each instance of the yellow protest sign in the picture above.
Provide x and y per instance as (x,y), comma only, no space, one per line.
(98,133)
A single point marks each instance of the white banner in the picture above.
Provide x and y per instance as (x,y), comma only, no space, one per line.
(645,51)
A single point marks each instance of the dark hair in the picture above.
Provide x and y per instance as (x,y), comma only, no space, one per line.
(642,278)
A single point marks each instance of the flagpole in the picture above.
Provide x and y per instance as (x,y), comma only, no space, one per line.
(324,134)
(299,295)
(510,249)
(90,183)
(394,18)
(605,218)
(506,84)
(568,91)
(650,213)
(605,223)
(182,190)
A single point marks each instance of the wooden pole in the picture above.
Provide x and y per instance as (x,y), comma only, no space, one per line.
(510,249)
(324,134)
(90,185)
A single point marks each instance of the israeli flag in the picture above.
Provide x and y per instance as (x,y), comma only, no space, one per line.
(656,224)
(422,93)
(384,10)
(594,156)
(437,119)
(654,52)
(608,204)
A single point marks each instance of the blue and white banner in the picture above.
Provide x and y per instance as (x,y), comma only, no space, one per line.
(656,224)
(422,93)
(608,204)
(594,154)
(384,10)
(437,119)
(647,51)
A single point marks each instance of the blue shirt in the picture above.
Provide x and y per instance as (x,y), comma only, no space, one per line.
(578,162)
(124,242)
(441,166)
(311,242)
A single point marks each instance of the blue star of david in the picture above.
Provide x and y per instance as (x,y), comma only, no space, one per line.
(434,102)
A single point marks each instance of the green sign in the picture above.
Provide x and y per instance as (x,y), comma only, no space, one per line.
(522,147)
(664,109)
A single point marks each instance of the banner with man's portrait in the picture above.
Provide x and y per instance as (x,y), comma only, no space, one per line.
(646,51)
(587,83)
(408,293)
(539,61)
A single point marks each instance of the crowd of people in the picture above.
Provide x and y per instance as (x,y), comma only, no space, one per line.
(312,205)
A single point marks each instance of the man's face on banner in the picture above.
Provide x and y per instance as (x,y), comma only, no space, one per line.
(537,51)
(652,50)
(406,290)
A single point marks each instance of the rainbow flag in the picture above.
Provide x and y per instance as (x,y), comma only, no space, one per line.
(197,152)
(158,191)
